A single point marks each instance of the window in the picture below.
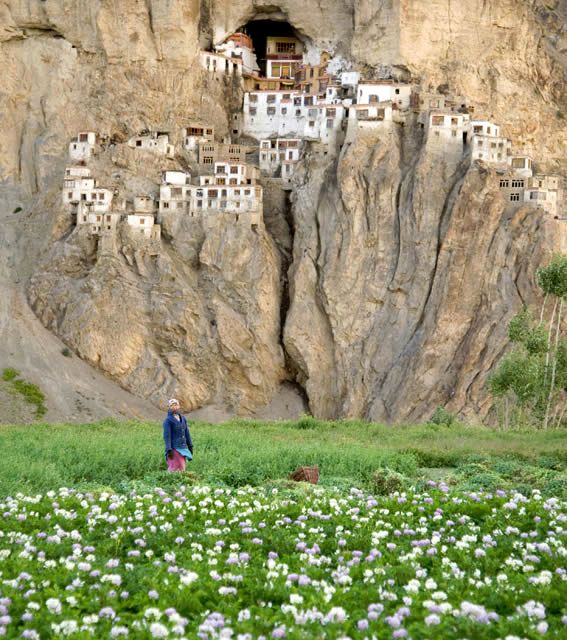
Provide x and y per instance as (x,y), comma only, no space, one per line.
(454,122)
(213,193)
(176,192)
(108,218)
(199,204)
(271,98)
(284,111)
(246,192)
(271,111)
(372,99)
(142,220)
(165,205)
(298,112)
(233,169)
(479,143)
(70,195)
(308,101)
(264,156)
(253,111)
(397,91)
(285,47)
(84,218)
(253,97)
(286,96)
(312,113)
(311,123)
(331,113)
(477,129)
(209,132)
(437,121)
(493,145)
(329,123)
(504,184)
(138,143)
(488,130)
(538,195)
(297,102)
(454,134)
(518,163)
(101,196)
(98,218)
(517,184)
(514,197)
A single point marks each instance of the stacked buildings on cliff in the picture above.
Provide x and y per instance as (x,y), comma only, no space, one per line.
(95,209)
(231,193)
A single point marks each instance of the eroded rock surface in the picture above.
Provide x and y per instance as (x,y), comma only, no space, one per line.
(383,291)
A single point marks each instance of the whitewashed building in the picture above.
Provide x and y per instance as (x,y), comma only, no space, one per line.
(283,57)
(194,134)
(218,63)
(155,142)
(521,166)
(349,78)
(239,45)
(278,157)
(279,114)
(544,192)
(372,91)
(82,147)
(367,116)
(488,145)
(144,224)
(83,188)
(448,130)
(95,221)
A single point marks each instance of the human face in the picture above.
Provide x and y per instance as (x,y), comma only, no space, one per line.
(175,408)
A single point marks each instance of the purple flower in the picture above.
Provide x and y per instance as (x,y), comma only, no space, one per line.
(362,624)
(278,632)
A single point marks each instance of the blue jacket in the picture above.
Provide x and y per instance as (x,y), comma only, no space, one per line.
(176,433)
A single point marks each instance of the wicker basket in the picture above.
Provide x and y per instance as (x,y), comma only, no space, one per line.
(306,474)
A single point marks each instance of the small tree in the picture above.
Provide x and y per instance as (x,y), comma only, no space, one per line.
(533,376)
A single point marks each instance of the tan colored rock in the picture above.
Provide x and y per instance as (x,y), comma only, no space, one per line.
(405,266)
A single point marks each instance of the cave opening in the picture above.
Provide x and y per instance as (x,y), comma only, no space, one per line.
(282,54)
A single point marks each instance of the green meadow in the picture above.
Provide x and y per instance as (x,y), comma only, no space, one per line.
(129,455)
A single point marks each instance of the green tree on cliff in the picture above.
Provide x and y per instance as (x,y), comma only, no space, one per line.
(532,379)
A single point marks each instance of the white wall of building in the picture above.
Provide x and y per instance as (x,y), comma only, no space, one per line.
(176,177)
(491,149)
(154,143)
(217,63)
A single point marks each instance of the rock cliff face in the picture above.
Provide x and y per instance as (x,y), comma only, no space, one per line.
(382,290)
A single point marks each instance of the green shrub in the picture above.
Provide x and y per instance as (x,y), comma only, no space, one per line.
(9,374)
(306,422)
(17,209)
(386,481)
(443,417)
(67,352)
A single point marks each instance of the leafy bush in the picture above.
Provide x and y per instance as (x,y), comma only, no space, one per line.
(443,417)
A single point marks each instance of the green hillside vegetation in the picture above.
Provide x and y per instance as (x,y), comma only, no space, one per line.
(129,455)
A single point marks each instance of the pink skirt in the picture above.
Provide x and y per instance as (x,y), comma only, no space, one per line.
(177,462)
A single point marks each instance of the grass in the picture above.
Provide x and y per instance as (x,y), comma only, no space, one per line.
(30,392)
(124,455)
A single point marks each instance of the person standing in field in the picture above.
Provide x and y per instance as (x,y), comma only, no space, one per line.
(177,439)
